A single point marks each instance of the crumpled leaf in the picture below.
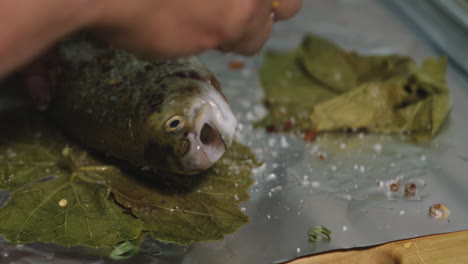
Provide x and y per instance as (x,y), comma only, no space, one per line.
(320,87)
(290,94)
(415,105)
(62,193)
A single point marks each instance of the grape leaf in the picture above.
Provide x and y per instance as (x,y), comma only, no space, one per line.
(320,87)
(62,193)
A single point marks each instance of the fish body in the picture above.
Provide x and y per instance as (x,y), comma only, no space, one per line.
(162,114)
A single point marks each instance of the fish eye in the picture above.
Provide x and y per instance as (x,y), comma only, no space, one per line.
(175,123)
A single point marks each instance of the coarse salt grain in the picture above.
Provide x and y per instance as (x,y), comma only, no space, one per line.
(315,184)
(271,177)
(345,228)
(362,169)
(377,148)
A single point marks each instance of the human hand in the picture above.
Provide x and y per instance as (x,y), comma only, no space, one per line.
(185,27)
(157,28)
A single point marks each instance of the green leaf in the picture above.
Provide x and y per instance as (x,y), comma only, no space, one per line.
(318,232)
(123,250)
(398,105)
(185,209)
(328,64)
(61,193)
(290,93)
(324,88)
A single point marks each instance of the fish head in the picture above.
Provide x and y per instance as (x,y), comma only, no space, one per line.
(194,131)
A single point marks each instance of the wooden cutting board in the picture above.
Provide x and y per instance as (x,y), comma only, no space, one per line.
(434,249)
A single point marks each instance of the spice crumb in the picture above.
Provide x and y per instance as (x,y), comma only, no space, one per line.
(62,203)
(439,211)
(410,190)
(236,65)
(407,244)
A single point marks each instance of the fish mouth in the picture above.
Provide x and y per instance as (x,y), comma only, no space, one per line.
(213,131)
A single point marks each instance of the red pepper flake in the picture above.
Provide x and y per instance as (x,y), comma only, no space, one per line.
(310,135)
(236,65)
(394,187)
(287,125)
(271,129)
(321,157)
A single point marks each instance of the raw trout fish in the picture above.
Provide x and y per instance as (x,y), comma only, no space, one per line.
(161,114)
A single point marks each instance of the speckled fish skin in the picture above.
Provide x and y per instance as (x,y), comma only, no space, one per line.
(162,114)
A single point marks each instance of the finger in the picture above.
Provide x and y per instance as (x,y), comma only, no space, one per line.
(285,9)
(256,33)
(252,42)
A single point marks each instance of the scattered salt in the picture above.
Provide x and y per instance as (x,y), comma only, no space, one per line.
(342,146)
(269,217)
(315,184)
(347,197)
(270,194)
(271,142)
(377,148)
(423,158)
(271,177)
(345,228)
(333,167)
(362,169)
(356,167)
(361,135)
(243,209)
(284,143)
(249,116)
(402,212)
(236,197)
(298,250)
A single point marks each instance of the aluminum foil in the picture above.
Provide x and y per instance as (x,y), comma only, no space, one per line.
(342,181)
